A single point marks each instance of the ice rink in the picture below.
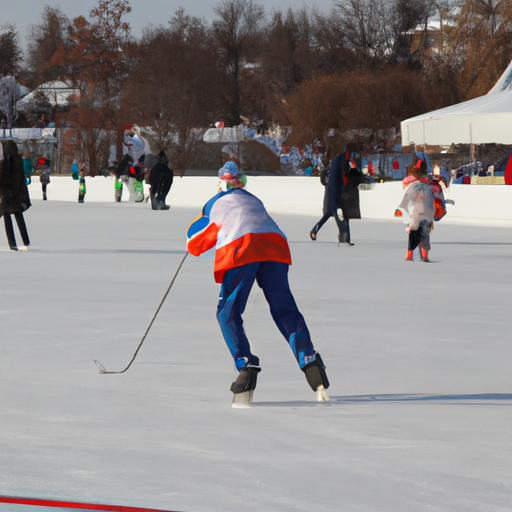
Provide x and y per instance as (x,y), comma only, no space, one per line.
(418,355)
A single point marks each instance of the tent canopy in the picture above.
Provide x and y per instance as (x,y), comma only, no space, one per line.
(483,120)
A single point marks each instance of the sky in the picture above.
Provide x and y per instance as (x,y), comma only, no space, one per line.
(26,12)
(418,356)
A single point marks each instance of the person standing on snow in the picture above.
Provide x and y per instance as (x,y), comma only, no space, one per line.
(418,202)
(14,197)
(249,246)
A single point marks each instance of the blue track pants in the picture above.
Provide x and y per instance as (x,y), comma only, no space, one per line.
(272,278)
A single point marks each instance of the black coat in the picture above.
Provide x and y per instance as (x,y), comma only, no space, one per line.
(123,169)
(335,183)
(341,194)
(349,198)
(161,179)
(14,197)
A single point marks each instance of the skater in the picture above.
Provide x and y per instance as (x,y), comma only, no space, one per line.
(121,174)
(14,197)
(418,202)
(249,246)
(160,182)
(44,175)
(81,183)
(136,180)
(342,192)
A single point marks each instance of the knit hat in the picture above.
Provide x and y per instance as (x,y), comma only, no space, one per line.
(229,171)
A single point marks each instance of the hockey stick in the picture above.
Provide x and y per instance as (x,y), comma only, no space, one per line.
(102,369)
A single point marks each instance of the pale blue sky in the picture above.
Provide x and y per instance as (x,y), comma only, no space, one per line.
(26,12)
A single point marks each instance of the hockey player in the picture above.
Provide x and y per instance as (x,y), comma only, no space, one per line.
(249,246)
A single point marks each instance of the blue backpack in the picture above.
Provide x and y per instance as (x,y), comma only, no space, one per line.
(74,171)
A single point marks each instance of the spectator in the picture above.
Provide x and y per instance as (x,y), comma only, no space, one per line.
(161,178)
(14,195)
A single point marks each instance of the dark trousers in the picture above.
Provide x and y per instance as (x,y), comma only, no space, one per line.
(343,226)
(9,230)
(272,278)
(158,202)
(420,237)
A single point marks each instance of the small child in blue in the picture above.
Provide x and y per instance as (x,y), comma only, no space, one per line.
(81,185)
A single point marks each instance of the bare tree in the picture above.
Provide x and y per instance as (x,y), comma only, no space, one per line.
(364,25)
(44,39)
(236,29)
(480,46)
(176,86)
(97,60)
(9,94)
(10,49)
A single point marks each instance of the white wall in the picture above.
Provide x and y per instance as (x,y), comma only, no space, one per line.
(300,195)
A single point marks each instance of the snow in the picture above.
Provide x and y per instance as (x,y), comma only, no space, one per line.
(418,356)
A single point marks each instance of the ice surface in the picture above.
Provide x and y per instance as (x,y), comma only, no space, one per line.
(418,356)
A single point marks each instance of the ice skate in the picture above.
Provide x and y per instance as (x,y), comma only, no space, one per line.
(317,378)
(245,384)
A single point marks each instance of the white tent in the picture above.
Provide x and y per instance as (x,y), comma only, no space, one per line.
(483,120)
(505,81)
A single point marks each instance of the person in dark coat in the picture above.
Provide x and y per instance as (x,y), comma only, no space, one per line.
(160,179)
(349,198)
(14,197)
(334,188)
(341,192)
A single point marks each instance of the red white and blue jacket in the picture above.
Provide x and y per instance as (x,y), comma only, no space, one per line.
(236,223)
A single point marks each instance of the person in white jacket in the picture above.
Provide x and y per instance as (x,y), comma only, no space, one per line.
(418,202)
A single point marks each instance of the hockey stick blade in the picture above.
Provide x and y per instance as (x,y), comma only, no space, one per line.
(101,368)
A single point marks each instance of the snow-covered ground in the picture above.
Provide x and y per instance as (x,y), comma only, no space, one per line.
(418,356)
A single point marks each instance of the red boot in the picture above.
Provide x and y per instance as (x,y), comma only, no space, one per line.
(409,256)
(424,255)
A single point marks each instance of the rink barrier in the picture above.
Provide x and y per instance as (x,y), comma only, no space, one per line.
(300,195)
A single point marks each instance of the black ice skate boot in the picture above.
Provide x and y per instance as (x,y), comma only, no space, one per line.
(245,384)
(317,378)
